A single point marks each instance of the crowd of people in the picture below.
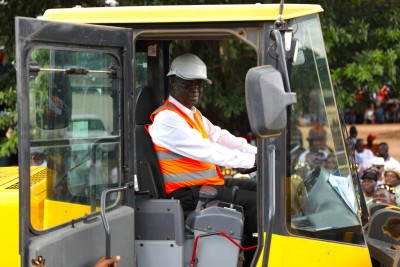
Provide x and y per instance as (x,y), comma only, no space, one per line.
(374,107)
(378,170)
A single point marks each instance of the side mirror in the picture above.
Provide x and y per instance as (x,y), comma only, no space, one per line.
(266,101)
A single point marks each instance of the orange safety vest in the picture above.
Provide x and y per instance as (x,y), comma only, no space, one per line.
(179,171)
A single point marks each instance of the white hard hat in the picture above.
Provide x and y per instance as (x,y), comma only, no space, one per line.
(189,67)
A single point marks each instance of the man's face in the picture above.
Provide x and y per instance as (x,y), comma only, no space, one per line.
(359,146)
(368,186)
(378,169)
(317,144)
(382,151)
(382,196)
(187,92)
(331,163)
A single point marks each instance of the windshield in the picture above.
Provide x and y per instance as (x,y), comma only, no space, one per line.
(322,201)
(74,107)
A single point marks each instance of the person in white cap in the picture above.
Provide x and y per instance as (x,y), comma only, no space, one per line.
(378,164)
(190,148)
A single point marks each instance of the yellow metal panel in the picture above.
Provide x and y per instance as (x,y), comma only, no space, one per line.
(38,195)
(9,200)
(57,212)
(9,229)
(295,251)
(180,13)
(8,179)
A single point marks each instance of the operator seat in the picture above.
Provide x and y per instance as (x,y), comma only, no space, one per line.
(159,222)
(149,175)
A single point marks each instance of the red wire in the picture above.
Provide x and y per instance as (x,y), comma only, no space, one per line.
(193,261)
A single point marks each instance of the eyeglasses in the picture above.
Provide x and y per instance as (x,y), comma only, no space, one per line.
(198,84)
(377,167)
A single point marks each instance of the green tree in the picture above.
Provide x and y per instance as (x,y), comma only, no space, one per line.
(361,36)
(9,10)
(363,42)
(232,103)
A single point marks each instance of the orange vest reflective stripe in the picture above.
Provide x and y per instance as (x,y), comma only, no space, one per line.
(179,171)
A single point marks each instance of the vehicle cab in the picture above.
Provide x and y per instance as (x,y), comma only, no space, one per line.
(109,65)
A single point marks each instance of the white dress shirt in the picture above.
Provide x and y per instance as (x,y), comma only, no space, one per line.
(366,156)
(171,131)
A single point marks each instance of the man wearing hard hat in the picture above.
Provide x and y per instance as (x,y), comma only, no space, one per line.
(189,147)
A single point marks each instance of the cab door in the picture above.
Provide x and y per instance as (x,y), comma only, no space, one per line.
(74,89)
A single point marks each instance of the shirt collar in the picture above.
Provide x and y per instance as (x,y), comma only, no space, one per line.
(189,112)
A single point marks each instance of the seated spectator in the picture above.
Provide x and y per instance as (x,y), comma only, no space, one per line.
(332,165)
(368,184)
(317,142)
(392,177)
(317,160)
(365,154)
(378,164)
(384,194)
(383,151)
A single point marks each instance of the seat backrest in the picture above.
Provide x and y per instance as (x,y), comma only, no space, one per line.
(149,174)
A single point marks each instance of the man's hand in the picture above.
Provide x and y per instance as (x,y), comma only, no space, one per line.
(103,262)
(249,170)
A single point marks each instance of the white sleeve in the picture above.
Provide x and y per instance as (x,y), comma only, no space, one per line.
(225,138)
(171,131)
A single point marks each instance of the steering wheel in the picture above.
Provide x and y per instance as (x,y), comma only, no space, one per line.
(248,170)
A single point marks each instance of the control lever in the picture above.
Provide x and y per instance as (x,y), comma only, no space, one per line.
(127,186)
(234,192)
(206,194)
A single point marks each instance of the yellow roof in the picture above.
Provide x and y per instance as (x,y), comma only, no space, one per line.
(180,13)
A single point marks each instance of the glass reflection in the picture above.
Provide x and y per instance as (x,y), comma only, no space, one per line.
(322,201)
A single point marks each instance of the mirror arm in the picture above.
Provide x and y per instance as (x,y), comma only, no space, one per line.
(280,22)
(282,59)
(129,185)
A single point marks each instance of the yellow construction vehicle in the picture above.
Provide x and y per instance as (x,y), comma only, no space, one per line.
(88,79)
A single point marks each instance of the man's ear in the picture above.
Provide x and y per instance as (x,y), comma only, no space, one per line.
(172,89)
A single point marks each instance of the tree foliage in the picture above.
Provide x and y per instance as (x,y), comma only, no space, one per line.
(8,95)
(362,41)
(361,38)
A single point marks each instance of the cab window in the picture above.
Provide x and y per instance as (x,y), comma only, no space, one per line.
(322,202)
(74,98)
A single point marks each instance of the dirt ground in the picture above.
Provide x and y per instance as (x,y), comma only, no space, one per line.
(389,133)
